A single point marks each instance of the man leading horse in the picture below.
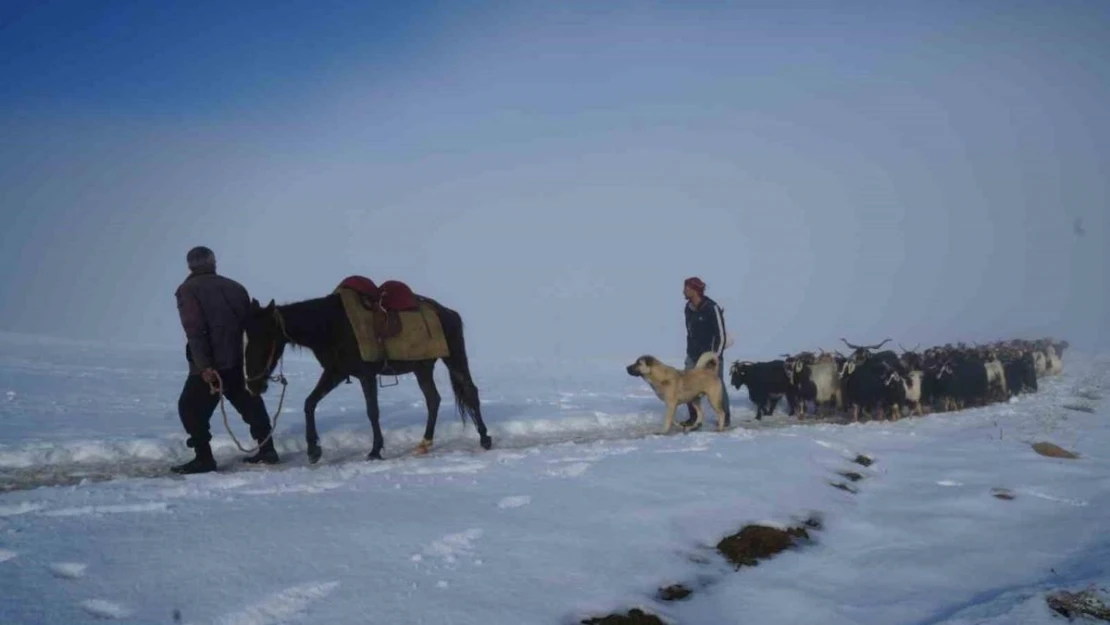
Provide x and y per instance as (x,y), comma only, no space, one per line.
(213,310)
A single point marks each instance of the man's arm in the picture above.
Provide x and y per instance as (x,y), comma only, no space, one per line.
(719,330)
(196,329)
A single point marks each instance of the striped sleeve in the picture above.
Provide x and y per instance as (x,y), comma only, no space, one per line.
(720,347)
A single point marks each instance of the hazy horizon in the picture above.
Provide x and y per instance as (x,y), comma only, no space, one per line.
(554,173)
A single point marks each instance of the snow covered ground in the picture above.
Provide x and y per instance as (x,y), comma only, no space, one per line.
(578,510)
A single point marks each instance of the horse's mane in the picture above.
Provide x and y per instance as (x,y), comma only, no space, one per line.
(312,321)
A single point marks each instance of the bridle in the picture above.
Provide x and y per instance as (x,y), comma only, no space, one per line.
(280,377)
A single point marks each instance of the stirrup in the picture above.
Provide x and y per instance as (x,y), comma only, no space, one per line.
(387,371)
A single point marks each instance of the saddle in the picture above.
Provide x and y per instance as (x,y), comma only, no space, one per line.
(384,302)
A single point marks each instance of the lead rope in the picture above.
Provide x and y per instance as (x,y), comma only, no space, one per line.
(218,388)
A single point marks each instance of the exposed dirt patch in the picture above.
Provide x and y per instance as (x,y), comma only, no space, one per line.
(758,542)
(1079,408)
(844,487)
(1077,604)
(1053,451)
(851,475)
(635,616)
(674,592)
(1002,493)
(744,548)
(863,460)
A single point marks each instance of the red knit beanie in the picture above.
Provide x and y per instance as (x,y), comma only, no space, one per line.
(696,284)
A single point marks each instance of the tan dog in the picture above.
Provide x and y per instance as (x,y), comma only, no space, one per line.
(676,386)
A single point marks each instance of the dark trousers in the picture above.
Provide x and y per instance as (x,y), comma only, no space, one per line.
(197,404)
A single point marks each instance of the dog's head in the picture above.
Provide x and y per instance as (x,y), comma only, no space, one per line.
(642,367)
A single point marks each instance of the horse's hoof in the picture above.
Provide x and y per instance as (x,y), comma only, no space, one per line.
(314,454)
(374,455)
(422,447)
(486,442)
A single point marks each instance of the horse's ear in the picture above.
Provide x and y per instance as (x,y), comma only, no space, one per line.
(271,305)
(254,304)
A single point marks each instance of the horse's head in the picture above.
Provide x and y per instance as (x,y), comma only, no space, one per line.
(263,345)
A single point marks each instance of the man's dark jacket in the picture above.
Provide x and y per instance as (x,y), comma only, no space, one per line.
(213,310)
(705,329)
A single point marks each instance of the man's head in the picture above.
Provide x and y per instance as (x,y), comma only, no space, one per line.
(693,288)
(201,259)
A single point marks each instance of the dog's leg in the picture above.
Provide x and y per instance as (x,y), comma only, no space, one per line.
(718,406)
(671,408)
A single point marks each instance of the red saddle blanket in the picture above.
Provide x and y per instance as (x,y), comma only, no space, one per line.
(391,295)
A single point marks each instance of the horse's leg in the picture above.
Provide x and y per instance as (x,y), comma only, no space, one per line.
(426,379)
(328,381)
(466,397)
(462,383)
(369,384)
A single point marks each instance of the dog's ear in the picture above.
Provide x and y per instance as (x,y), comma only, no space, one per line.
(648,361)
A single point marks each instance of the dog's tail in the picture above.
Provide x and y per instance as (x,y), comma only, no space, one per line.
(708,360)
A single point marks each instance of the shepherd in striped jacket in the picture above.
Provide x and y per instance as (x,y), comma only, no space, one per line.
(705,332)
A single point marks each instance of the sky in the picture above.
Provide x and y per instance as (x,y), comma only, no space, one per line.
(554,171)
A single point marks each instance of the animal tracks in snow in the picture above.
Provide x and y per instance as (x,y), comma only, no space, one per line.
(1036,493)
(683,450)
(311,488)
(155,506)
(452,546)
(68,570)
(103,608)
(280,607)
(465,467)
(20,508)
(515,501)
(575,469)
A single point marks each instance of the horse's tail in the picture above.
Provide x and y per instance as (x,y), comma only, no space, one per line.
(467,401)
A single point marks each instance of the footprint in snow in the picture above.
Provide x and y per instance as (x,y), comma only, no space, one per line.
(515,501)
(683,450)
(1036,493)
(6,555)
(20,508)
(452,546)
(68,570)
(103,608)
(570,470)
(464,467)
(156,506)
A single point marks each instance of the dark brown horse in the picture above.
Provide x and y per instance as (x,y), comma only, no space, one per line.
(321,326)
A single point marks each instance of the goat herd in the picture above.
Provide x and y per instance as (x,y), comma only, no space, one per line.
(944,378)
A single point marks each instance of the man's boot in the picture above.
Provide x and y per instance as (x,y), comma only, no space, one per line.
(202,463)
(266,454)
(688,423)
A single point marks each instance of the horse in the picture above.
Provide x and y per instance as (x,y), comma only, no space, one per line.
(321,325)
